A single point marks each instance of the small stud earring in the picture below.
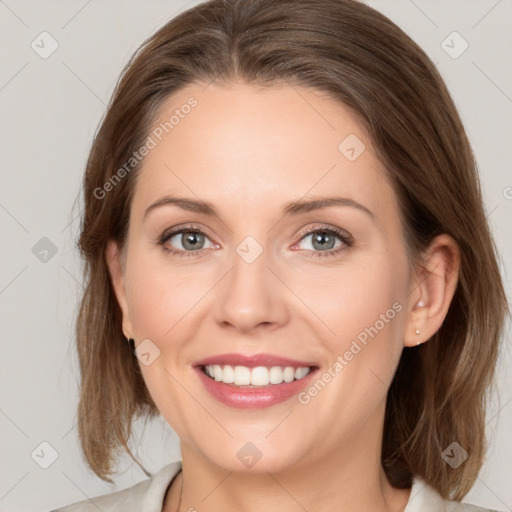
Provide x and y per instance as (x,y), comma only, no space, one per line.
(420,304)
(417,334)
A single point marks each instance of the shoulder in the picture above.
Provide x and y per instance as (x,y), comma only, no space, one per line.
(424,498)
(147,495)
(455,506)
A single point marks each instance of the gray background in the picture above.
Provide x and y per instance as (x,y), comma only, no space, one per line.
(50,108)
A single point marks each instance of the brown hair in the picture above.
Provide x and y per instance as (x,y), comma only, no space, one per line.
(364,60)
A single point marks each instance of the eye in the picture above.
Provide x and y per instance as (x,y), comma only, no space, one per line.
(185,241)
(323,241)
(190,241)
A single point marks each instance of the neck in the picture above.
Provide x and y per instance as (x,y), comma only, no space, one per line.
(349,479)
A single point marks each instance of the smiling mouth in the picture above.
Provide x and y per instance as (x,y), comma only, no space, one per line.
(255,377)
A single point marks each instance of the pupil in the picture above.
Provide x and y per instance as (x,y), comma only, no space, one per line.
(191,238)
(321,238)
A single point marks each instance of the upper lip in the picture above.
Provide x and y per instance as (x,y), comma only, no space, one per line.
(252,361)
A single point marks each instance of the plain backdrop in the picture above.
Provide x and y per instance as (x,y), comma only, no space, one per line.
(50,108)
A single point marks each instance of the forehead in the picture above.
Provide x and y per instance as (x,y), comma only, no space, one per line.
(248,146)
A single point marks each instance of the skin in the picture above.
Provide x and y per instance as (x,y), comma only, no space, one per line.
(248,151)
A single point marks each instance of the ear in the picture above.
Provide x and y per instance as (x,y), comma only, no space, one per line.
(116,268)
(435,285)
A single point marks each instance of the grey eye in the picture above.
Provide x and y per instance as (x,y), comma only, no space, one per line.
(323,240)
(189,240)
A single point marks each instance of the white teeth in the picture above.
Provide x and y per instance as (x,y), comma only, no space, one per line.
(228,375)
(289,374)
(301,372)
(276,375)
(258,376)
(242,375)
(217,373)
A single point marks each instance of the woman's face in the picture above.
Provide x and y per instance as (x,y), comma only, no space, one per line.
(257,279)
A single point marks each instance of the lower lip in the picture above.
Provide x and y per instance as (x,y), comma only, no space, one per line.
(254,398)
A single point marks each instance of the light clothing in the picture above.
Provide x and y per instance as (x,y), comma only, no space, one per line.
(148,496)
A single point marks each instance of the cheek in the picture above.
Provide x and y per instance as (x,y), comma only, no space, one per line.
(160,294)
(162,299)
(354,297)
(363,308)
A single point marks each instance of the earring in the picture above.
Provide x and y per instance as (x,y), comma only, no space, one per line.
(420,304)
(417,334)
(131,341)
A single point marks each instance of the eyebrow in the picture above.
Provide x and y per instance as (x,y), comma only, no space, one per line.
(291,208)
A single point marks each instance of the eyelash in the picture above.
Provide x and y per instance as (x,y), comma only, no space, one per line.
(342,235)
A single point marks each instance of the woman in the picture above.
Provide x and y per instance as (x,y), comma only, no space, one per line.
(283,218)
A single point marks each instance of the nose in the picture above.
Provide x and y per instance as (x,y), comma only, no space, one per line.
(251,297)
